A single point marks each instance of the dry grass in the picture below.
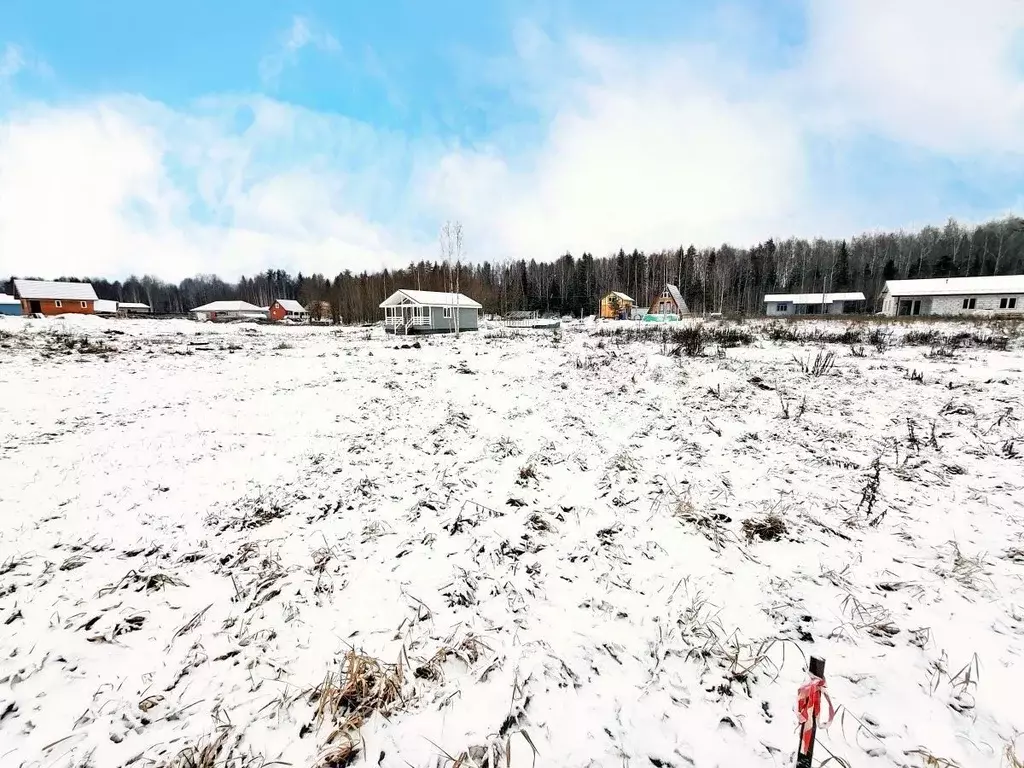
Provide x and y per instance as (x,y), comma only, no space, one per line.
(768,528)
(710,525)
(364,686)
(1011,756)
(823,362)
(928,760)
(141,582)
(220,750)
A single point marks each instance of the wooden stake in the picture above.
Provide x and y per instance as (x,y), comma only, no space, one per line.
(804,758)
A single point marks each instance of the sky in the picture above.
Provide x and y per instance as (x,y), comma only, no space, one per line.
(186,138)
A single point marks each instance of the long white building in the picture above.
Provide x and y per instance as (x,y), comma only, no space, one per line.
(994,295)
(813,303)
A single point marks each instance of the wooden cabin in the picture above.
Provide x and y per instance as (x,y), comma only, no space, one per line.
(616,306)
(670,302)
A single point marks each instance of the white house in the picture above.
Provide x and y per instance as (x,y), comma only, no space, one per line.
(104,307)
(813,303)
(992,295)
(229,310)
(429,312)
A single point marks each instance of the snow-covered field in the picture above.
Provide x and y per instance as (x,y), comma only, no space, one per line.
(309,547)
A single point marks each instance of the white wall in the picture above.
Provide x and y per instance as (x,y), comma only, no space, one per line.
(770,308)
(954,305)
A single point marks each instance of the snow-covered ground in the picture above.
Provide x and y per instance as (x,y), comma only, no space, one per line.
(303,546)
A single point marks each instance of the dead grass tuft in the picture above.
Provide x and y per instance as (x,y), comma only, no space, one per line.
(928,760)
(769,528)
(221,750)
(363,687)
(142,582)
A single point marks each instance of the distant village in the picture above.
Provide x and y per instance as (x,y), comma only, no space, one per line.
(414,311)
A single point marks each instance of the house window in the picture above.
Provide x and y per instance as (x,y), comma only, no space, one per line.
(781,307)
(1008,303)
(447,313)
(83,305)
(969,303)
(57,304)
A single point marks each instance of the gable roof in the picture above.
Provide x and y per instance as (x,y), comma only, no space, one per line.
(228,306)
(5,299)
(954,286)
(291,305)
(46,289)
(430,299)
(677,297)
(621,296)
(811,298)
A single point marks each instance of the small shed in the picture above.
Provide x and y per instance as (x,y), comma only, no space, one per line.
(669,304)
(9,305)
(104,307)
(288,309)
(133,308)
(616,306)
(46,297)
(228,310)
(408,311)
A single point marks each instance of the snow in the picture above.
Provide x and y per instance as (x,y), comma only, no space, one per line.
(45,289)
(811,298)
(192,537)
(229,306)
(955,286)
(291,305)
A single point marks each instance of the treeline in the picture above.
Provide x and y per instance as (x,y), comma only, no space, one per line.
(724,279)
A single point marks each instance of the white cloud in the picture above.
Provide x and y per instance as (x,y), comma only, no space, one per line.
(95,191)
(643,150)
(938,75)
(633,146)
(301,34)
(12,61)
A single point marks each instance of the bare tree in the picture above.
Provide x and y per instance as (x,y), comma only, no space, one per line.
(451,255)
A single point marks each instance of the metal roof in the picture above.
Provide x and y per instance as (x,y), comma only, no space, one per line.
(811,298)
(677,297)
(622,296)
(291,305)
(956,286)
(45,289)
(430,299)
(228,306)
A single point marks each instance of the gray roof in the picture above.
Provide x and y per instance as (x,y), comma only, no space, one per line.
(677,297)
(45,289)
(430,299)
(291,305)
(228,306)
(811,298)
(956,286)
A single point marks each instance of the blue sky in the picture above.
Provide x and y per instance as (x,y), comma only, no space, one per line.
(228,137)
